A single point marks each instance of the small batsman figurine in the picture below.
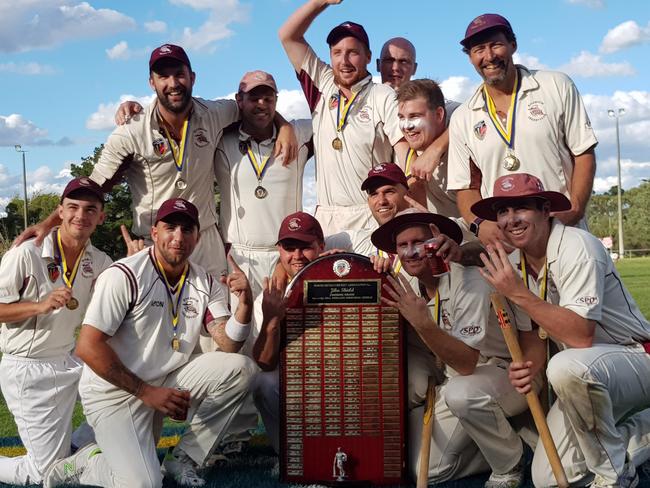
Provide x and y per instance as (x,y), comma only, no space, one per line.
(339,460)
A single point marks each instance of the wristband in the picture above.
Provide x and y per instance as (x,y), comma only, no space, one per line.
(237,331)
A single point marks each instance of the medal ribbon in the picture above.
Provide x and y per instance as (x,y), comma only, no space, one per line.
(342,115)
(171,294)
(507,134)
(179,152)
(396,264)
(524,273)
(259,169)
(407,165)
(64,264)
(436,308)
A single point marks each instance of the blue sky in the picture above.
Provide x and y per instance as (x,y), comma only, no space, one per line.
(66,64)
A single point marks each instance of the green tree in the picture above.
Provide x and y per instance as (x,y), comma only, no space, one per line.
(117,208)
(38,208)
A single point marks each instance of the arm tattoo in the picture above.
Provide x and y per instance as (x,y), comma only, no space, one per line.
(120,376)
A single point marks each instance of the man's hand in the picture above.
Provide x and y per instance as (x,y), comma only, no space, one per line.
(381,264)
(56,299)
(499,272)
(132,245)
(569,217)
(286,144)
(237,282)
(39,231)
(169,401)
(446,247)
(521,376)
(426,163)
(412,307)
(126,111)
(274,304)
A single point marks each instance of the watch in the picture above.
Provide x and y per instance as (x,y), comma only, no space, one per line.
(473,227)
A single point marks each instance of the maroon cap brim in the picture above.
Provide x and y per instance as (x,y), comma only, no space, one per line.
(486,208)
(384,237)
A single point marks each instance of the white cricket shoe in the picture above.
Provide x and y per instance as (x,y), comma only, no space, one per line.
(512,479)
(67,471)
(180,467)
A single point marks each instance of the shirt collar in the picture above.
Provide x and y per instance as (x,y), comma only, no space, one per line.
(528,82)
(50,249)
(361,84)
(245,137)
(554,240)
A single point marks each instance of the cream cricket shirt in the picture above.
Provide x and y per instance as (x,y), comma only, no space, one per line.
(30,273)
(132,306)
(551,127)
(244,218)
(371,131)
(583,279)
(466,313)
(140,152)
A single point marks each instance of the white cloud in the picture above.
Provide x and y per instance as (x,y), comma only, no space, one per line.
(104,117)
(155,26)
(529,61)
(631,174)
(222,13)
(589,3)
(591,65)
(41,180)
(292,105)
(625,35)
(27,68)
(42,24)
(16,129)
(119,51)
(458,88)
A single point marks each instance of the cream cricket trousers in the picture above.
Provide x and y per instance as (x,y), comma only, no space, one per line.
(41,395)
(337,219)
(602,413)
(471,431)
(127,431)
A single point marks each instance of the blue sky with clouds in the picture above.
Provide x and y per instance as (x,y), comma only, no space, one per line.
(65,65)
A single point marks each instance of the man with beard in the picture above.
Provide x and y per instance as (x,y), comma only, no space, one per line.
(519,120)
(167,152)
(453,318)
(138,341)
(354,120)
(565,281)
(44,292)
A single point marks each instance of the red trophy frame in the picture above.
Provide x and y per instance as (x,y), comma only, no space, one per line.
(342,378)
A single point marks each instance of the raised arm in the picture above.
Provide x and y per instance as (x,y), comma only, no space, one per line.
(292,32)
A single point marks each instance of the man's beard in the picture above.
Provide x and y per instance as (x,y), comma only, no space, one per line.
(178,107)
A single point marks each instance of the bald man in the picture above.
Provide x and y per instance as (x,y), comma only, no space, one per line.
(396,63)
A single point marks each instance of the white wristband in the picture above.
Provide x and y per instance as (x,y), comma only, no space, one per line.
(237,331)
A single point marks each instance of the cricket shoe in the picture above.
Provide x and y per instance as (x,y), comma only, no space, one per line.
(512,479)
(629,479)
(180,467)
(67,471)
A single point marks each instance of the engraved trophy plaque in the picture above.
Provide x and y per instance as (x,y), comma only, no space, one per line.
(342,378)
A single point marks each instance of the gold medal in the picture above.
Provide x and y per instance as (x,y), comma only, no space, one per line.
(181,184)
(543,335)
(176,344)
(337,144)
(72,304)
(511,162)
(261,192)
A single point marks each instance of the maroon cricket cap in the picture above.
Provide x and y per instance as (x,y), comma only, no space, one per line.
(169,51)
(483,23)
(388,172)
(83,184)
(253,79)
(302,227)
(178,206)
(348,29)
(384,237)
(515,187)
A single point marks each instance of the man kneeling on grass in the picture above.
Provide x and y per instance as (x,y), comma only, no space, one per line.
(138,338)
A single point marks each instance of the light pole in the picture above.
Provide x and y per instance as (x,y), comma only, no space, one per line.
(618,114)
(19,149)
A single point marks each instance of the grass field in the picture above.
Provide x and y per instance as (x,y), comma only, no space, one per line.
(256,467)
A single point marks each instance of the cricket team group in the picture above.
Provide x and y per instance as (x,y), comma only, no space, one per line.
(188,325)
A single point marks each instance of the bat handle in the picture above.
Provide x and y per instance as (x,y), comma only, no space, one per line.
(427,429)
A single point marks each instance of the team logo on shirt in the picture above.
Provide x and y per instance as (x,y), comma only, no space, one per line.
(364,114)
(189,308)
(587,300)
(160,146)
(341,268)
(86,266)
(480,129)
(471,330)
(536,111)
(334,101)
(200,137)
(53,272)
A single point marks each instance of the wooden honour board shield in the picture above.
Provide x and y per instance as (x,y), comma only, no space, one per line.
(342,376)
